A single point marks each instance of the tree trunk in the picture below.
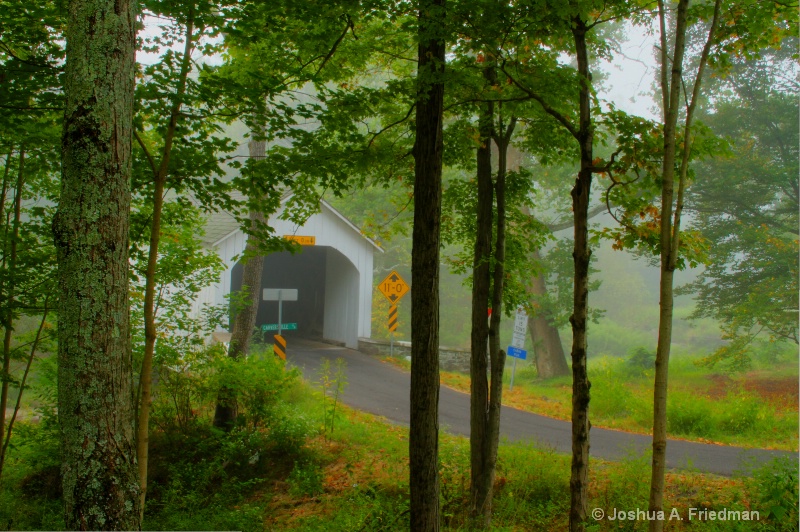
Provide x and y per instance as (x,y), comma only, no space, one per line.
(497,357)
(579,481)
(550,359)
(426,239)
(95,407)
(245,319)
(480,483)
(34,347)
(671,95)
(160,175)
(670,230)
(10,299)
(4,190)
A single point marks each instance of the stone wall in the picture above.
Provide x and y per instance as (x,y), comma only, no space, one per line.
(450,359)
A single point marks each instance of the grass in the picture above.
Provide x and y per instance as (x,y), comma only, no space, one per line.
(355,477)
(758,409)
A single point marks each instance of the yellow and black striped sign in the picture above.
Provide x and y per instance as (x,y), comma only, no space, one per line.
(392,323)
(280,346)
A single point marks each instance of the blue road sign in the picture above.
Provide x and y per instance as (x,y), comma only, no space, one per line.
(516,352)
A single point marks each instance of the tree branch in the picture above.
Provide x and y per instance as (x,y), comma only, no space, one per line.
(348,26)
(547,108)
(146,152)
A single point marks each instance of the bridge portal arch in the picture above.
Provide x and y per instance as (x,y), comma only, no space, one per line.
(327,285)
(332,272)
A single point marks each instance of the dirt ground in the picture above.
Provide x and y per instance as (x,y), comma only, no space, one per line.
(782,391)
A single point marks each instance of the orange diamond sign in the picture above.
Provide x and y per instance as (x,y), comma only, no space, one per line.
(393,287)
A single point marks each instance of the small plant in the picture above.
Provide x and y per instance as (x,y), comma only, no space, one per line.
(289,428)
(305,480)
(333,382)
(778,492)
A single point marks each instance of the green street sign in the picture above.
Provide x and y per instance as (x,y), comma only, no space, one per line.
(274,327)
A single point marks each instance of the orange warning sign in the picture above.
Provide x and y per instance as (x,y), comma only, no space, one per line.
(393,287)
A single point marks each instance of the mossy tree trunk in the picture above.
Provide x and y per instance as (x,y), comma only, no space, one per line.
(95,401)
(426,240)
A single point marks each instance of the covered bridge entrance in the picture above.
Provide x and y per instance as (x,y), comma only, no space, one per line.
(332,275)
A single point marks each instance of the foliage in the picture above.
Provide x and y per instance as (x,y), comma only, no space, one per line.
(558,266)
(642,360)
(333,382)
(31,58)
(524,234)
(633,187)
(747,205)
(776,483)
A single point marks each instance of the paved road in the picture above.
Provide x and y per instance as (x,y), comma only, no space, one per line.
(380,388)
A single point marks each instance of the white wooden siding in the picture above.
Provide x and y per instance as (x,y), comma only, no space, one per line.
(348,296)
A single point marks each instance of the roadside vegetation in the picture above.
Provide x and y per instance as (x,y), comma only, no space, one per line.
(756,409)
(287,466)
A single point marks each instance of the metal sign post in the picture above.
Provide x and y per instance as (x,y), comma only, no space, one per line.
(515,350)
(280,310)
(515,353)
(394,288)
(392,325)
(513,372)
(280,295)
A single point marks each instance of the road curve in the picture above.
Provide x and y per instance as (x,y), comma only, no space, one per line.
(380,388)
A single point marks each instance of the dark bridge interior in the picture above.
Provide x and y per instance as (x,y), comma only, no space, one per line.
(304,271)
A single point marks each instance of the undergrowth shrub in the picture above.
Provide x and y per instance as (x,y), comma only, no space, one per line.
(776,488)
(613,399)
(640,361)
(740,412)
(688,415)
(454,481)
(289,428)
(305,480)
(366,508)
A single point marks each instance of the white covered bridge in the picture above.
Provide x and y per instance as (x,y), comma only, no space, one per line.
(332,274)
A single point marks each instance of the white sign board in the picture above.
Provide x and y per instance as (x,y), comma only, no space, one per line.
(520,329)
(280,294)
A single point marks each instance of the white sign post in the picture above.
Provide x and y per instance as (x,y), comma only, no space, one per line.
(516,349)
(280,295)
